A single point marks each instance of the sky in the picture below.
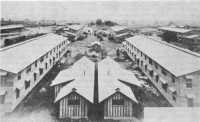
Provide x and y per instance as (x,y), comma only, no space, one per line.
(131,11)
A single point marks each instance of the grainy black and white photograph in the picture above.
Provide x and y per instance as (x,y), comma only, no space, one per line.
(100,61)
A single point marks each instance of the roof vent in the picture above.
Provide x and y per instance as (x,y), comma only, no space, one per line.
(74,89)
(117,89)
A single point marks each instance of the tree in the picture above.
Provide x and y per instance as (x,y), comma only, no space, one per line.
(109,23)
(99,22)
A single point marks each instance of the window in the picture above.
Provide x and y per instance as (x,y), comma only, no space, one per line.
(164,86)
(157,78)
(150,61)
(173,79)
(19,76)
(41,71)
(2,99)
(145,68)
(35,63)
(41,59)
(141,54)
(28,69)
(151,73)
(74,102)
(27,84)
(117,101)
(190,102)
(189,83)
(145,57)
(35,76)
(17,91)
(156,66)
(164,72)
(141,63)
(46,65)
(174,96)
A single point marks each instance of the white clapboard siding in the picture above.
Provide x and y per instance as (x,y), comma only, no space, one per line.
(118,111)
(73,111)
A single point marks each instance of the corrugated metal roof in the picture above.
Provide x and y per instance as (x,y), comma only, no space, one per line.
(83,72)
(84,88)
(172,59)
(11,27)
(77,71)
(118,28)
(174,29)
(108,74)
(75,27)
(64,76)
(17,58)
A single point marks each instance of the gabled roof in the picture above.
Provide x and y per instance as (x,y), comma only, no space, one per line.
(175,29)
(64,76)
(84,88)
(83,74)
(173,59)
(17,58)
(83,70)
(108,80)
(113,69)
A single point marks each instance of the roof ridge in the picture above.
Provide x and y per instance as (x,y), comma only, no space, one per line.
(176,47)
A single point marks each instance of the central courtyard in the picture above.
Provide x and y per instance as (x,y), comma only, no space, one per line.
(40,100)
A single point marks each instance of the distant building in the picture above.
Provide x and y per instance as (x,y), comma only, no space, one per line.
(10,28)
(94,91)
(22,66)
(173,70)
(120,33)
(73,30)
(188,38)
(192,41)
(173,33)
(9,31)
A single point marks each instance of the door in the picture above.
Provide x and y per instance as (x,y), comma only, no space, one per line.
(190,102)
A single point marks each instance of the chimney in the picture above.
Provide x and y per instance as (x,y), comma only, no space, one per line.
(117,89)
(73,89)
